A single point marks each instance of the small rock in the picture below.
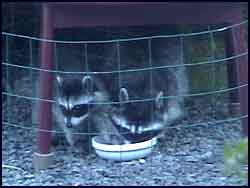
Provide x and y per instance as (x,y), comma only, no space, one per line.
(29,176)
(157,157)
(207,155)
(129,162)
(142,161)
(75,169)
(191,159)
(76,184)
(18,176)
(210,161)
(222,178)
(181,153)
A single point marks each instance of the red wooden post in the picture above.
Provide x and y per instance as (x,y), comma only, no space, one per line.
(238,68)
(43,157)
(234,104)
(237,75)
(242,73)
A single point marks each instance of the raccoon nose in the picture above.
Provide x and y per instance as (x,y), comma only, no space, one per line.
(69,125)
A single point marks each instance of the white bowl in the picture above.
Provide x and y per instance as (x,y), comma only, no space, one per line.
(125,152)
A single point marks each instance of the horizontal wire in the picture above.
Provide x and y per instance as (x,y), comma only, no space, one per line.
(19,54)
(129,70)
(133,101)
(28,98)
(12,167)
(174,127)
(130,39)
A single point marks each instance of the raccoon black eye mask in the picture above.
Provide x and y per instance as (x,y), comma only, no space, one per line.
(76,111)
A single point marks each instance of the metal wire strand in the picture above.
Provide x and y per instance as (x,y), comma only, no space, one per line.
(131,70)
(134,101)
(130,39)
(174,127)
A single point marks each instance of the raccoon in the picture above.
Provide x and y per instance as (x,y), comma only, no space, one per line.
(72,93)
(147,119)
(75,106)
(72,108)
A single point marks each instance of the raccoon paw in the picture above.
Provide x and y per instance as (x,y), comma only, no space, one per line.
(174,114)
(57,140)
(70,139)
(83,147)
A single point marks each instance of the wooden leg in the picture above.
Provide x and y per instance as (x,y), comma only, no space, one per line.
(43,157)
(242,75)
(234,104)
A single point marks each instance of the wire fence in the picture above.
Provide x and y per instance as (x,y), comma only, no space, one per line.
(130,39)
(117,41)
(229,120)
(212,61)
(130,70)
(133,101)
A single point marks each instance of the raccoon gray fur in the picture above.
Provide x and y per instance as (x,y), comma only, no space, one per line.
(150,118)
(75,106)
(72,111)
(71,93)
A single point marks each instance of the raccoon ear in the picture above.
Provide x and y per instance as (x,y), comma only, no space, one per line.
(87,83)
(59,80)
(123,95)
(158,100)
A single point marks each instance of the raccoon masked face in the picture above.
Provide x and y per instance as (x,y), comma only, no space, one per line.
(74,95)
(139,117)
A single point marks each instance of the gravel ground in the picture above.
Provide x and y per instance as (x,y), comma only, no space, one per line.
(184,156)
(191,156)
